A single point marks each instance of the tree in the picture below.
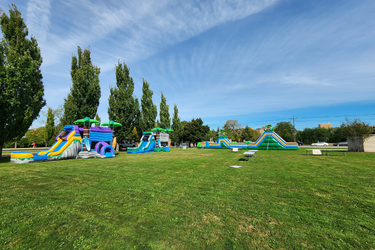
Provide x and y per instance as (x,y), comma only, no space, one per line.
(133,136)
(36,135)
(149,111)
(249,134)
(57,114)
(49,129)
(234,129)
(21,85)
(337,135)
(195,131)
(311,135)
(176,126)
(322,134)
(98,118)
(165,120)
(123,106)
(285,130)
(83,99)
(211,134)
(357,131)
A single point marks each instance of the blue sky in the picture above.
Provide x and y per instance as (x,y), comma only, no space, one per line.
(254,61)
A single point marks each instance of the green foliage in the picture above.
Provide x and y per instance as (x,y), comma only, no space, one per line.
(36,135)
(337,135)
(98,118)
(357,130)
(234,129)
(133,136)
(195,131)
(123,106)
(165,120)
(311,135)
(177,127)
(149,110)
(249,134)
(211,134)
(21,85)
(50,126)
(285,130)
(83,99)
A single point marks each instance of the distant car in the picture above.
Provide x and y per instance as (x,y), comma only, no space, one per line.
(300,143)
(185,144)
(335,144)
(344,143)
(319,144)
(126,144)
(175,144)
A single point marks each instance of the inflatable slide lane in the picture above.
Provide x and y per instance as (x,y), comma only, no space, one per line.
(147,144)
(67,145)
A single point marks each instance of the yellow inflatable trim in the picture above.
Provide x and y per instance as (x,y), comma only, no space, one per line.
(21,155)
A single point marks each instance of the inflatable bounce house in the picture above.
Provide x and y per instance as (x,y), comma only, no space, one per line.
(76,142)
(155,141)
(269,140)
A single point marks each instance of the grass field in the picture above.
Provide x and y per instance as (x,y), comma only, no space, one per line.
(190,199)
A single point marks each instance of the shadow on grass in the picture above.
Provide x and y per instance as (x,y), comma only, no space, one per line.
(242,159)
(4,159)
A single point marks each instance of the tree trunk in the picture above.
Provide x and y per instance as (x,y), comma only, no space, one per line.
(1,149)
(86,133)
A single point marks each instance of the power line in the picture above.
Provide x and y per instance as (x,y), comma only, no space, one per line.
(301,119)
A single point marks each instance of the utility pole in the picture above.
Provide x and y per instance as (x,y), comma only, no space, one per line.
(294,128)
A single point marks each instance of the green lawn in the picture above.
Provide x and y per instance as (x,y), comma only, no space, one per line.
(190,199)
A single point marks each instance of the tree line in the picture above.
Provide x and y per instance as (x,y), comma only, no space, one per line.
(22,98)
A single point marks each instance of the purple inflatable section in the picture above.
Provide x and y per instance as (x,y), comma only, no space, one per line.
(72,128)
(101,129)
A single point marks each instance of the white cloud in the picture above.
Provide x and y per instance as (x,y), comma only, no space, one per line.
(131,30)
(38,19)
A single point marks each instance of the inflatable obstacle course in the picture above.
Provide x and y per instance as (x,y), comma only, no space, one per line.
(269,140)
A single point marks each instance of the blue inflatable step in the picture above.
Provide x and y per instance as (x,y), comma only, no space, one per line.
(40,157)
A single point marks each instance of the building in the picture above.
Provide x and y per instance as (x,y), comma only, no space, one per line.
(326,125)
(260,130)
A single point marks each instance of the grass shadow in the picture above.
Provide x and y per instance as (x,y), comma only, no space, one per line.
(4,159)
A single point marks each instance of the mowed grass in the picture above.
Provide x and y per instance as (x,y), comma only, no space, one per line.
(190,199)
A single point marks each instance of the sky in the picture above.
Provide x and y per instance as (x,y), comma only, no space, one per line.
(258,62)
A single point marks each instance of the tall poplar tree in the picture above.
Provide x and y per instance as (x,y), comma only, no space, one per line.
(123,106)
(165,120)
(83,99)
(21,86)
(149,110)
(49,129)
(177,127)
(98,118)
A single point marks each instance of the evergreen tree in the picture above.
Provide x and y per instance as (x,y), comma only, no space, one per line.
(49,129)
(165,120)
(123,106)
(98,118)
(21,86)
(83,100)
(176,126)
(149,110)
